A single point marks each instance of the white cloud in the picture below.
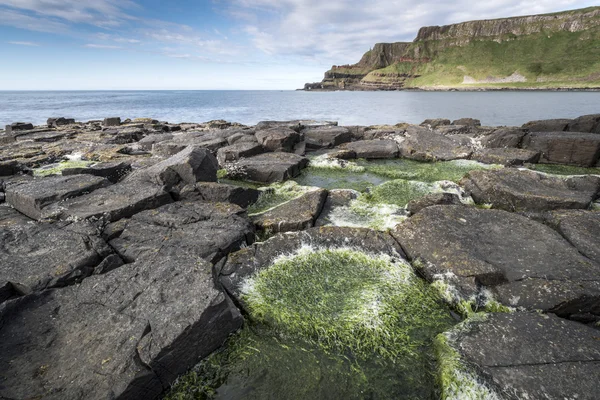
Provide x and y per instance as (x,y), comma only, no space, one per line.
(23,43)
(101,46)
(32,23)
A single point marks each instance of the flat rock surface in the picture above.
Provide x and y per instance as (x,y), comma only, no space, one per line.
(503,138)
(326,136)
(241,265)
(515,190)
(268,167)
(506,156)
(523,262)
(32,197)
(220,193)
(126,334)
(533,356)
(238,150)
(200,229)
(581,229)
(547,125)
(295,215)
(373,149)
(582,149)
(278,139)
(422,145)
(335,198)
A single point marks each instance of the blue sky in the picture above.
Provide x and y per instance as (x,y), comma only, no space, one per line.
(212,44)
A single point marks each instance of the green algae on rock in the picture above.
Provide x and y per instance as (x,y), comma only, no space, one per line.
(56,169)
(277,194)
(564,170)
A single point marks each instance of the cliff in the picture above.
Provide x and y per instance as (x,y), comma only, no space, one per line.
(550,51)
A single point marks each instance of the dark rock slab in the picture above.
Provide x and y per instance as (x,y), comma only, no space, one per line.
(36,256)
(326,136)
(268,167)
(373,149)
(503,137)
(434,123)
(421,145)
(32,197)
(8,168)
(582,149)
(467,122)
(60,121)
(581,228)
(335,198)
(585,123)
(113,171)
(433,199)
(17,127)
(219,193)
(149,141)
(522,262)
(179,143)
(241,265)
(238,150)
(296,125)
(506,156)
(43,136)
(547,125)
(515,190)
(112,203)
(278,139)
(127,334)
(112,121)
(533,356)
(295,215)
(199,229)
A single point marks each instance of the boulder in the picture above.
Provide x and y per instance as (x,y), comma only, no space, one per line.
(585,123)
(31,198)
(514,190)
(434,123)
(433,199)
(36,256)
(503,137)
(149,141)
(428,146)
(239,150)
(519,262)
(113,121)
(278,139)
(127,135)
(191,165)
(582,149)
(113,171)
(372,149)
(18,126)
(506,156)
(467,122)
(127,334)
(61,121)
(581,228)
(295,215)
(241,265)
(242,137)
(193,228)
(547,125)
(294,125)
(267,168)
(112,203)
(531,356)
(219,193)
(326,136)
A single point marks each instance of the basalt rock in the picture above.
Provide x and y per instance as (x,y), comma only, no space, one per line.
(373,149)
(467,122)
(219,193)
(506,156)
(268,167)
(582,149)
(421,145)
(17,127)
(237,151)
(581,228)
(547,125)
(335,198)
(149,141)
(113,171)
(326,136)
(433,199)
(503,137)
(585,123)
(61,121)
(514,190)
(434,123)
(521,262)
(278,139)
(113,121)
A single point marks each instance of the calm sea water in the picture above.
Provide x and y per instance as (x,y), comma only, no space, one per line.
(250,107)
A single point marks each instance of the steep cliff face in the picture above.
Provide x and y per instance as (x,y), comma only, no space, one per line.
(560,50)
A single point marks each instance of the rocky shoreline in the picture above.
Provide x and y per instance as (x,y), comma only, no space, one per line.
(132,251)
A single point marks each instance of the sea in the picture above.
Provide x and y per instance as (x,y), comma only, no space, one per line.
(497,108)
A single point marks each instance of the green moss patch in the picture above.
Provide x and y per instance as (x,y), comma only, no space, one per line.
(277,194)
(566,170)
(56,169)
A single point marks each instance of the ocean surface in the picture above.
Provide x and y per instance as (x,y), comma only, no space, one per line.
(250,107)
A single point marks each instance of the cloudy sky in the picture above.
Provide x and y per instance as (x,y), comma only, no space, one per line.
(213,44)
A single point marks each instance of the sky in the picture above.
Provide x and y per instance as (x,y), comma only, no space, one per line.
(213,44)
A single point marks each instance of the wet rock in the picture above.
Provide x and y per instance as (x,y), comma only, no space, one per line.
(114,121)
(521,262)
(582,149)
(17,127)
(326,137)
(532,356)
(197,229)
(239,150)
(434,123)
(191,165)
(241,265)
(503,137)
(127,334)
(515,190)
(31,198)
(219,193)
(373,149)
(113,171)
(278,139)
(427,146)
(433,199)
(467,122)
(335,198)
(547,125)
(295,215)
(585,123)
(268,167)
(580,228)
(112,203)
(506,156)
(61,121)
(36,256)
